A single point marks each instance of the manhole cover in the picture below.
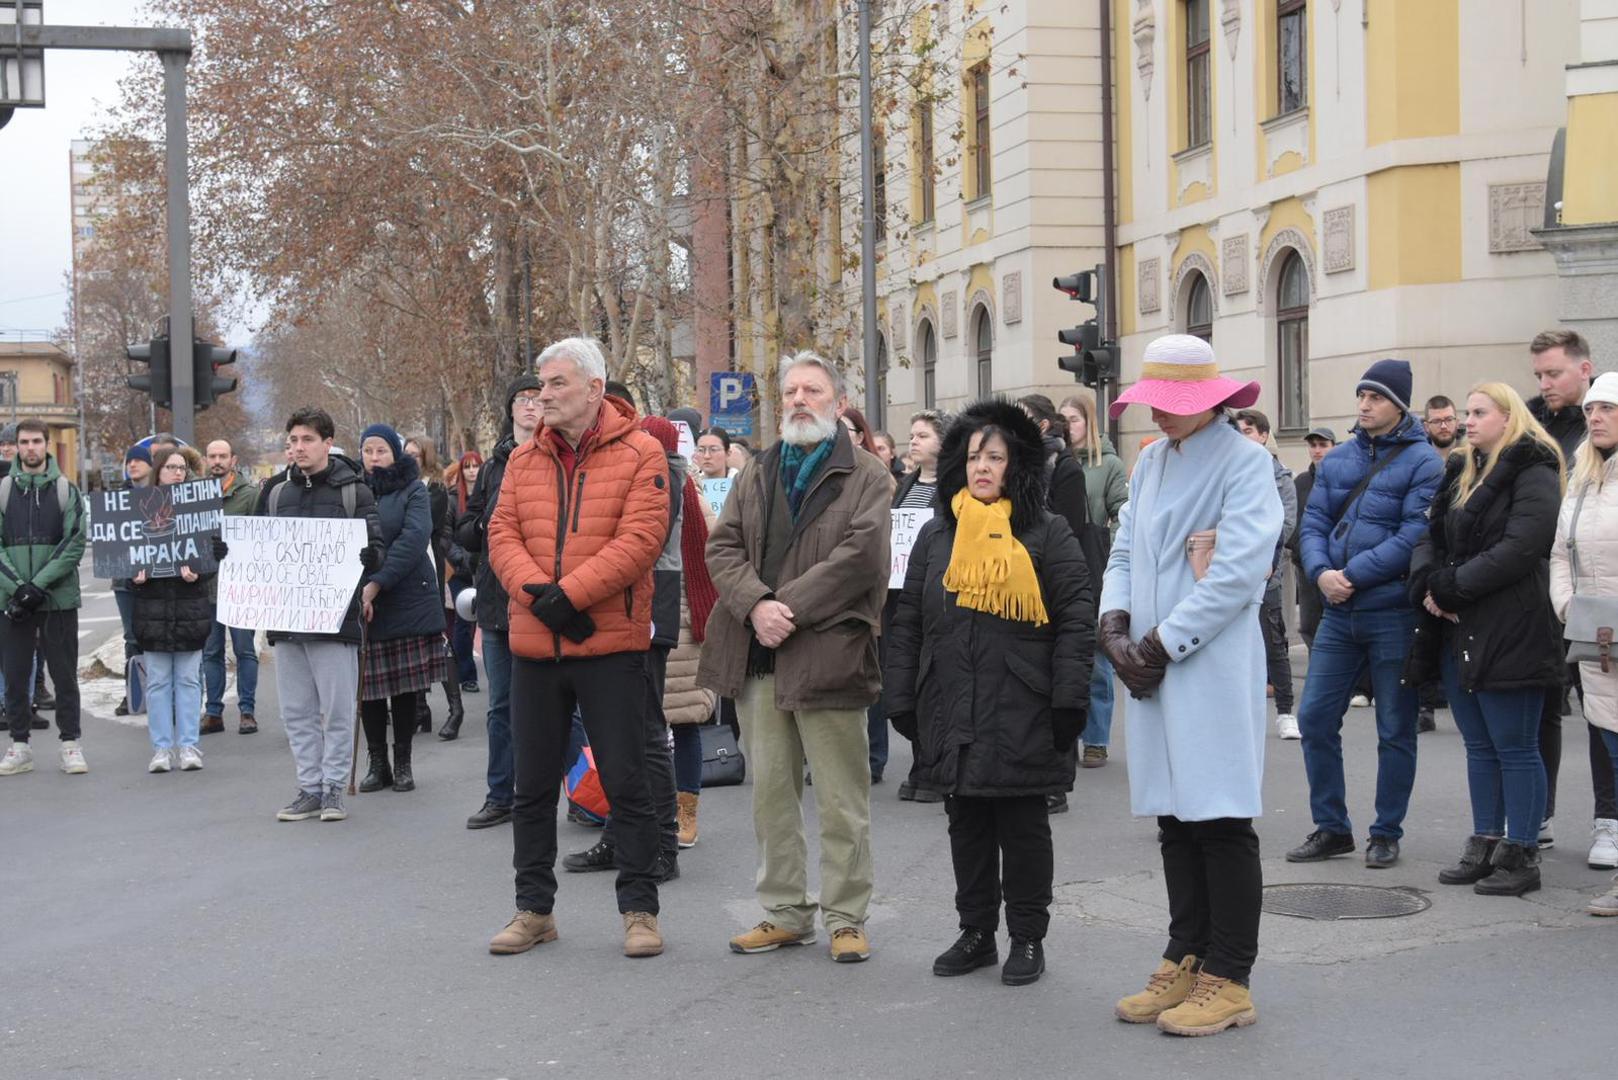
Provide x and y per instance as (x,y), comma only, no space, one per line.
(1317,900)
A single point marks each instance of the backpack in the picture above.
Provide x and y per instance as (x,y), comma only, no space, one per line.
(349,495)
(63,492)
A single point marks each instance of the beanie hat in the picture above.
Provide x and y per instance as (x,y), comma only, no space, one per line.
(663,431)
(1605,388)
(138,452)
(517,386)
(692,418)
(1391,379)
(8,434)
(387,435)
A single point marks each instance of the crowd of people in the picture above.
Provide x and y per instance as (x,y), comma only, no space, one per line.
(1461,558)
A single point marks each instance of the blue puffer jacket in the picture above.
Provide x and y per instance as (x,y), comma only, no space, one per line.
(410,604)
(1372,545)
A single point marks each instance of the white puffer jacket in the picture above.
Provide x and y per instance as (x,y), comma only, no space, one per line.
(1597,535)
(684,702)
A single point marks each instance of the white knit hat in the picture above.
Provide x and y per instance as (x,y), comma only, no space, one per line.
(1605,388)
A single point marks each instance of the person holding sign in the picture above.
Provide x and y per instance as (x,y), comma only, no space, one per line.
(173,617)
(912,502)
(404,648)
(317,675)
(989,673)
(42,537)
(712,456)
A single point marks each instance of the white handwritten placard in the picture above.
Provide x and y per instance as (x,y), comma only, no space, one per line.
(907,523)
(716,490)
(291,574)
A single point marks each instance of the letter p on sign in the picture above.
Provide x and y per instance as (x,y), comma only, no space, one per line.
(729,392)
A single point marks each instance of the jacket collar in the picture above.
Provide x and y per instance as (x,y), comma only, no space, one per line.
(615,421)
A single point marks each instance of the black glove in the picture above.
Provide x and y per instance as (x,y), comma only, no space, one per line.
(551,606)
(905,724)
(1142,665)
(220,549)
(370,558)
(1066,725)
(1441,583)
(16,612)
(579,628)
(29,596)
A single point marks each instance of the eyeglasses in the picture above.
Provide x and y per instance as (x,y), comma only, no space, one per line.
(1442,421)
(527,401)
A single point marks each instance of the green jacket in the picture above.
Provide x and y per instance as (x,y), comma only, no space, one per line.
(242,498)
(1106,483)
(41,542)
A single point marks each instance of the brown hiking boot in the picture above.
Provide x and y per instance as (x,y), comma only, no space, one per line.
(767,937)
(1213,1005)
(248,725)
(640,934)
(1094,757)
(1167,987)
(211,724)
(686,817)
(525,930)
(849,945)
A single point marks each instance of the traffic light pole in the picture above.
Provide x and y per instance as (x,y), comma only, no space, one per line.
(179,215)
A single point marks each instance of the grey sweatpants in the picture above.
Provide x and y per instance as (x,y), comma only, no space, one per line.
(317,682)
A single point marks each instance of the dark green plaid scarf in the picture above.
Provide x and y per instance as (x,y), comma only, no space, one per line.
(798,469)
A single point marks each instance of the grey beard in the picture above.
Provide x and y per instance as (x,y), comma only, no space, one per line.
(808,432)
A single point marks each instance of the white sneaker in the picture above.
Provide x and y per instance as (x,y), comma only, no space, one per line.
(1604,844)
(190,759)
(73,759)
(1360,701)
(19,759)
(1286,726)
(162,761)
(1547,839)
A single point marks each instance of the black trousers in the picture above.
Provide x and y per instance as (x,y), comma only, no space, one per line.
(1277,663)
(659,763)
(374,715)
(1215,886)
(1550,750)
(57,633)
(1002,848)
(612,693)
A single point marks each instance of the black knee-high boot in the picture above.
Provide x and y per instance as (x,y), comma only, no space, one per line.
(457,711)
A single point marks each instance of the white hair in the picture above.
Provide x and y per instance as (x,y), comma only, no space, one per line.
(808,356)
(584,352)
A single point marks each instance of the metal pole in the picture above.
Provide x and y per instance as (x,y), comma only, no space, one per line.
(179,224)
(1109,222)
(873,401)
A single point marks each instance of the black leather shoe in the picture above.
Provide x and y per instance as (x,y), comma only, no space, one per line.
(1056,804)
(1381,852)
(1025,964)
(1474,864)
(972,950)
(379,775)
(668,868)
(492,814)
(600,857)
(42,697)
(1321,844)
(1425,721)
(470,686)
(926,795)
(907,791)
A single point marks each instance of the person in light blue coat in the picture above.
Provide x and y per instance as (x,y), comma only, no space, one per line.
(1179,620)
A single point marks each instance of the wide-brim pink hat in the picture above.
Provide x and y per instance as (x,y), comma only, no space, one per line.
(1179,375)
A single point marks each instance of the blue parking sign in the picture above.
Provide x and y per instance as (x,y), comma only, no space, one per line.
(732,394)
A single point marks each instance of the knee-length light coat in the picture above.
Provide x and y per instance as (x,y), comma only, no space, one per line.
(1196,745)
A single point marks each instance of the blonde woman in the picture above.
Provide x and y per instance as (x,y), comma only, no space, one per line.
(1106,485)
(1481,575)
(1584,560)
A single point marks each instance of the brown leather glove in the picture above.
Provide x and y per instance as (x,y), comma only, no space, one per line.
(1112,634)
(1142,665)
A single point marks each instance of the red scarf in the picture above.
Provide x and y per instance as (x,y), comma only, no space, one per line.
(700,593)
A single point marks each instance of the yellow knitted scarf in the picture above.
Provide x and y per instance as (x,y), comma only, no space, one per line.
(988,569)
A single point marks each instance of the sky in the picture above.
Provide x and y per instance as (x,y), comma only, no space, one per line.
(35,214)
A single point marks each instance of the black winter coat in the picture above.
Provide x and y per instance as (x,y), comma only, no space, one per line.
(321,496)
(410,603)
(173,615)
(1488,562)
(471,533)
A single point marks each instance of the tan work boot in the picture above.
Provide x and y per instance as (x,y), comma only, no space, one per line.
(767,937)
(849,945)
(640,934)
(1167,987)
(1213,1005)
(686,817)
(525,930)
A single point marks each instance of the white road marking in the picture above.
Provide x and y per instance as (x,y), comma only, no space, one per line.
(100,619)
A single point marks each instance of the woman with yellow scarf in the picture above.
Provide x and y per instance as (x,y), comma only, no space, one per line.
(988,673)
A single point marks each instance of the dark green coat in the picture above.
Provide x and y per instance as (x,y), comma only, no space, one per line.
(41,541)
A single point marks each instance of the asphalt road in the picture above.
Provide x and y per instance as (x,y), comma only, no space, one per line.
(168,926)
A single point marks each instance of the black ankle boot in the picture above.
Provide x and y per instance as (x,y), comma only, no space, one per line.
(1516,871)
(972,950)
(457,711)
(403,778)
(378,776)
(1474,863)
(424,715)
(1025,963)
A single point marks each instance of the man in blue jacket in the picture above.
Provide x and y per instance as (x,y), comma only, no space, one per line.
(1366,512)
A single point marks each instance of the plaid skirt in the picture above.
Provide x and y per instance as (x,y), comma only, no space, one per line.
(403,666)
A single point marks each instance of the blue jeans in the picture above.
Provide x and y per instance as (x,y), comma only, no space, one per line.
(174,698)
(1098,726)
(1610,740)
(497,664)
(213,669)
(1347,644)
(1504,771)
(687,758)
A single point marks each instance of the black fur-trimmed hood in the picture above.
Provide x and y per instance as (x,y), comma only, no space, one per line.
(1025,474)
(400,474)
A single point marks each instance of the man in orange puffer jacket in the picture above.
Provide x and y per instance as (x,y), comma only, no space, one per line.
(581,519)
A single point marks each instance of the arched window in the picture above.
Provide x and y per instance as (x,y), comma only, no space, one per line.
(1292,342)
(985,353)
(879,422)
(927,347)
(1199,309)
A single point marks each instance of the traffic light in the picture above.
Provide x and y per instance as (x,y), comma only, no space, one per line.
(1091,362)
(1080,286)
(157,382)
(206,360)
